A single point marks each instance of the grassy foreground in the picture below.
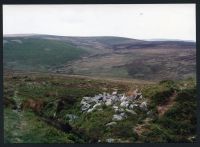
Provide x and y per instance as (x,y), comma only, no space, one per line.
(31,99)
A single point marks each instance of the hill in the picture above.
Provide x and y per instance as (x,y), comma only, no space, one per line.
(48,108)
(104,56)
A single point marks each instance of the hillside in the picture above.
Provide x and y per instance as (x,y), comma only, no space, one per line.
(61,89)
(104,56)
(48,108)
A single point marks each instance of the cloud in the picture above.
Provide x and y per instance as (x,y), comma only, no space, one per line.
(142,21)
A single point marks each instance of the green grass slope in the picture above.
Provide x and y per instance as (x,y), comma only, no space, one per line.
(38,54)
(62,96)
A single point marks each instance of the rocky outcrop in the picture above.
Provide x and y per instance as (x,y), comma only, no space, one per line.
(120,103)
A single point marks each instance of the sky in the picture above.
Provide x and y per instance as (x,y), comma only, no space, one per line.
(138,21)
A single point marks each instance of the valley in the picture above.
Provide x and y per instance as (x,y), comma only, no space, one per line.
(101,56)
(60,89)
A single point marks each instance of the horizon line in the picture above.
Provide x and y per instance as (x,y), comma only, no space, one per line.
(152,39)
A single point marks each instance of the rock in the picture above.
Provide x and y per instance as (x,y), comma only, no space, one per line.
(96,105)
(143,106)
(131,111)
(100,109)
(108,102)
(72,117)
(86,98)
(119,110)
(83,102)
(90,110)
(114,93)
(131,106)
(115,107)
(123,98)
(117,117)
(99,97)
(140,97)
(123,115)
(114,98)
(110,140)
(85,107)
(124,104)
(111,123)
(192,138)
(150,113)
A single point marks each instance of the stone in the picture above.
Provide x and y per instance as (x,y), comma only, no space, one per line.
(111,123)
(192,138)
(96,105)
(110,140)
(119,110)
(123,115)
(99,97)
(83,102)
(131,111)
(117,117)
(140,97)
(124,104)
(131,106)
(149,112)
(115,107)
(123,98)
(85,106)
(143,106)
(86,98)
(90,110)
(114,93)
(72,117)
(108,102)
(100,109)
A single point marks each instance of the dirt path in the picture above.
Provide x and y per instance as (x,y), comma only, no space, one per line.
(140,128)
(162,109)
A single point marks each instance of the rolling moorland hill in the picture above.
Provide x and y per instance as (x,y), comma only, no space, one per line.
(114,57)
(49,108)
(60,90)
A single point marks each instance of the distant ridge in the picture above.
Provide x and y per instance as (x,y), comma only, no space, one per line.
(100,56)
(33,34)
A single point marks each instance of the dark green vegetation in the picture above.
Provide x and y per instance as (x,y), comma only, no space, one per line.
(113,57)
(38,54)
(37,105)
(178,123)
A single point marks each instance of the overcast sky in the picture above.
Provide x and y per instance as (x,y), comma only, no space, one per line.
(152,21)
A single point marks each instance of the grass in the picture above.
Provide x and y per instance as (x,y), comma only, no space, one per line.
(146,64)
(178,124)
(62,95)
(25,127)
(37,54)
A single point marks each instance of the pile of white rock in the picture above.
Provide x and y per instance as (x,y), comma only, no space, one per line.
(121,104)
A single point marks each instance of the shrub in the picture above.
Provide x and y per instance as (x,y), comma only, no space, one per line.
(161,97)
